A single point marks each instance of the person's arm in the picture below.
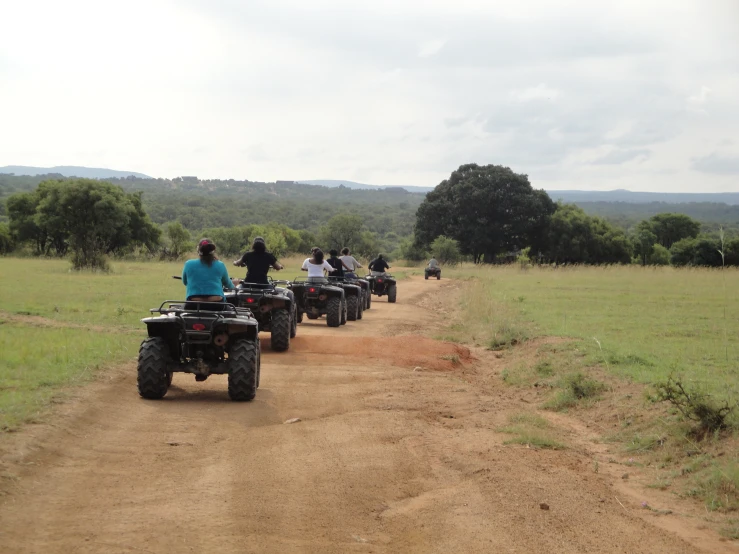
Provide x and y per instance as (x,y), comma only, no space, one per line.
(275,264)
(305,265)
(225,279)
(356,263)
(184,274)
(328,267)
(241,262)
(346,266)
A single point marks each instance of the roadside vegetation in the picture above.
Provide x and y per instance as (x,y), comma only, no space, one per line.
(59,327)
(659,347)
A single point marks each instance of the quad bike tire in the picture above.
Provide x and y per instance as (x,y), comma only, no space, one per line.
(334,310)
(426,275)
(352,308)
(243,374)
(344,312)
(153,376)
(280,330)
(360,307)
(300,316)
(313,316)
(391,294)
(294,322)
(369,300)
(438,276)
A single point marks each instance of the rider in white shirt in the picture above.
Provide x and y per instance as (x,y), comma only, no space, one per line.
(315,266)
(350,262)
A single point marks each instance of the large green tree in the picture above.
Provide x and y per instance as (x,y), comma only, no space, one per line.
(342,231)
(488,210)
(572,236)
(670,228)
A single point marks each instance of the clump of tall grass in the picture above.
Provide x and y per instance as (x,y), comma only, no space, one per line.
(574,388)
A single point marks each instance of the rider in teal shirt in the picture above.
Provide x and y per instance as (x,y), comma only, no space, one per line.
(206,276)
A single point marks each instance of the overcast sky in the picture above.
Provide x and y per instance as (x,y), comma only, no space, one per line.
(578,94)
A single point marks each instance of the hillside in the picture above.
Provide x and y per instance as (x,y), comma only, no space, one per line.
(70,171)
(354,185)
(200,204)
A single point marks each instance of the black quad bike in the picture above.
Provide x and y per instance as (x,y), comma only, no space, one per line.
(432,272)
(366,293)
(354,296)
(202,338)
(315,299)
(272,306)
(382,285)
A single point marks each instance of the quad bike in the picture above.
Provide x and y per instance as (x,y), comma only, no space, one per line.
(366,293)
(202,338)
(273,307)
(382,285)
(315,298)
(354,295)
(432,272)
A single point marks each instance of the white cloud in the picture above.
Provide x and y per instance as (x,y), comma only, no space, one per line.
(538,92)
(431,47)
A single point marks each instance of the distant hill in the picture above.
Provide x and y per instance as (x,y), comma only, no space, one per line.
(629,197)
(354,185)
(71,171)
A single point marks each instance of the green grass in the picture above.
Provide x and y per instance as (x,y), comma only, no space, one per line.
(637,324)
(644,324)
(531,430)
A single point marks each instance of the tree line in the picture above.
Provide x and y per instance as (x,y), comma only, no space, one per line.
(91,220)
(493,214)
(485,214)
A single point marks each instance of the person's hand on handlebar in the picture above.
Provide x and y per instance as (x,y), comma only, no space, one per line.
(237,263)
(236,281)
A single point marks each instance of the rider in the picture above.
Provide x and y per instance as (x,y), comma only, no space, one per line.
(206,277)
(350,263)
(257,262)
(433,264)
(315,266)
(378,266)
(337,263)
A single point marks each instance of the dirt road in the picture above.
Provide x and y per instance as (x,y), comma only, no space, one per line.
(396,451)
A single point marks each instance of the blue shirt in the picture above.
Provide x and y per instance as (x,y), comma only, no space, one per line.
(203,280)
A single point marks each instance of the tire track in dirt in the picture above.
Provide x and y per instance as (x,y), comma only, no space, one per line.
(397,451)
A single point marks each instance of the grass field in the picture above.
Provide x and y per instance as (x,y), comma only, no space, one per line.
(58,327)
(640,323)
(628,324)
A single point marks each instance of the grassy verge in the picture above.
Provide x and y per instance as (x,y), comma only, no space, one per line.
(58,327)
(622,325)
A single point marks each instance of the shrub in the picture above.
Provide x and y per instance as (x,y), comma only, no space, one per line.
(694,405)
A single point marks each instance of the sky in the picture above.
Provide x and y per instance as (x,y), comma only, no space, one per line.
(636,94)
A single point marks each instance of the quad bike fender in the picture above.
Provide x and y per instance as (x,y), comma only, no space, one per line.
(352,290)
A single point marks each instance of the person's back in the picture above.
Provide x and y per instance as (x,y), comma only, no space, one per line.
(350,262)
(206,276)
(433,264)
(378,266)
(258,262)
(335,262)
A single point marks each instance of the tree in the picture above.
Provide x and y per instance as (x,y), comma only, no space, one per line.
(670,228)
(572,236)
(6,239)
(21,209)
(95,215)
(644,242)
(683,252)
(342,231)
(660,255)
(445,250)
(179,239)
(487,209)
(409,250)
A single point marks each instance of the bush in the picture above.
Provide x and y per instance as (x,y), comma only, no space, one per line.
(660,255)
(694,405)
(445,250)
